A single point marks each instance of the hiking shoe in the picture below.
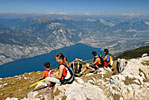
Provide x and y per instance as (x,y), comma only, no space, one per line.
(92,71)
(98,70)
(95,72)
(76,75)
(80,75)
(48,90)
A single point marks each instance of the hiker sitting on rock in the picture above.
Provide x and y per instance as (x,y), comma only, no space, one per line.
(65,75)
(94,65)
(107,59)
(46,73)
(76,66)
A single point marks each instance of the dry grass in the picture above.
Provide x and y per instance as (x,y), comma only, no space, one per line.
(57,92)
(140,70)
(18,87)
(146,80)
(114,68)
(116,97)
(54,93)
(130,81)
(64,97)
(146,63)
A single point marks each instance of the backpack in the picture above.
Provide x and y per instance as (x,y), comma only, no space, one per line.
(71,78)
(102,62)
(120,65)
(111,60)
(50,72)
(74,67)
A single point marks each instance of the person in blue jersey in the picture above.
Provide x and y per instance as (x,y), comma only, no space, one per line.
(107,58)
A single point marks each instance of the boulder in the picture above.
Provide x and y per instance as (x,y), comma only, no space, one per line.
(11,98)
(130,84)
(84,92)
(74,91)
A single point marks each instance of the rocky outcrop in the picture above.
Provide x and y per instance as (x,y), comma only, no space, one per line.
(85,91)
(131,84)
(74,91)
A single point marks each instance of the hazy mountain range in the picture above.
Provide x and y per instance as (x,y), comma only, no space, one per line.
(24,36)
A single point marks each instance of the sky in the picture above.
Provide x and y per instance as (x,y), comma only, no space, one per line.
(75,6)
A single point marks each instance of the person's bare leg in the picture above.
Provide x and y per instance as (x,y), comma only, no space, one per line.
(48,88)
(49,85)
(83,70)
(90,67)
(87,67)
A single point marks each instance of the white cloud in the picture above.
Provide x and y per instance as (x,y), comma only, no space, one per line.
(130,14)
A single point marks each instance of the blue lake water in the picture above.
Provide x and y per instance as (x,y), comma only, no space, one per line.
(24,65)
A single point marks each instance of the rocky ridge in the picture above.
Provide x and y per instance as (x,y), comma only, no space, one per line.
(131,83)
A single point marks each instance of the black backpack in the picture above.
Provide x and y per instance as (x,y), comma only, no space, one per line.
(102,62)
(71,78)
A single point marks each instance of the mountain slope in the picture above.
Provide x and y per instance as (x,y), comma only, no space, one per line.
(19,37)
(134,53)
(26,36)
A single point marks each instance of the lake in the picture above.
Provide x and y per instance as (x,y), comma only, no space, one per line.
(34,64)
